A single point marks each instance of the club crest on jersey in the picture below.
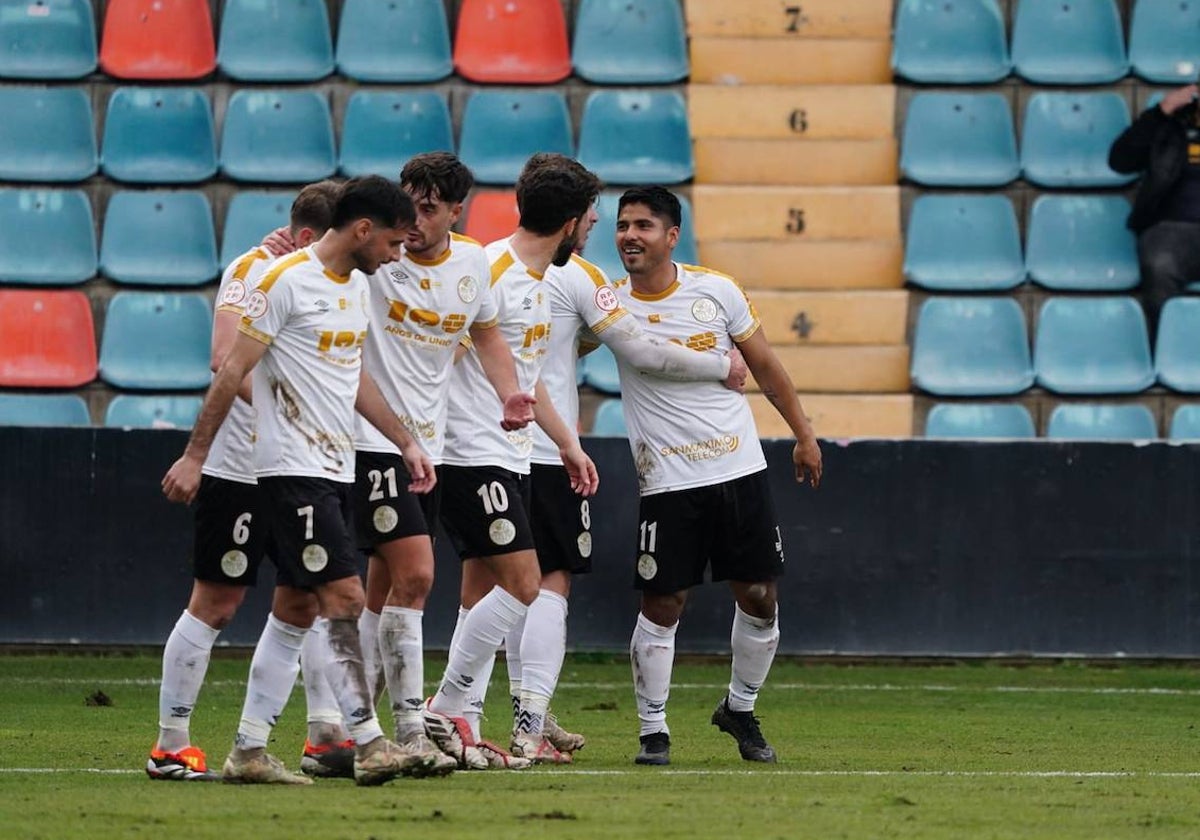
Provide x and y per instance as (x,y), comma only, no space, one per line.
(704,310)
(468,289)
(235,292)
(256,304)
(606,299)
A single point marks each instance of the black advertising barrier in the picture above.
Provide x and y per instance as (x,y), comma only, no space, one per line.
(910,547)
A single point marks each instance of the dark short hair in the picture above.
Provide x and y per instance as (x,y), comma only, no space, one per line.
(438,174)
(313,207)
(553,189)
(661,201)
(376,198)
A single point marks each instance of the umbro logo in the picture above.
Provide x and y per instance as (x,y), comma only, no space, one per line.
(322,305)
(398,275)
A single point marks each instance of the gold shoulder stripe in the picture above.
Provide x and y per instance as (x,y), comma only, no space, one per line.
(593,271)
(502,264)
(283,265)
(462,237)
(701,269)
(243,266)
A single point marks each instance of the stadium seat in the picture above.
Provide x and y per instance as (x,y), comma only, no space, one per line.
(47,39)
(46,237)
(636,137)
(971,347)
(491,216)
(250,217)
(1177,348)
(159,238)
(43,410)
(382,130)
(47,134)
(159,136)
(276,40)
(278,137)
(1083,421)
(1066,138)
(521,42)
(402,41)
(979,420)
(950,42)
(146,412)
(965,243)
(1095,345)
(610,420)
(1185,423)
(1080,243)
(1162,42)
(1057,42)
(601,246)
(153,39)
(47,339)
(501,129)
(157,341)
(600,370)
(959,140)
(630,42)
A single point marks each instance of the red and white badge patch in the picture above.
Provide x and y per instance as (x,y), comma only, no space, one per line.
(606,299)
(256,305)
(234,293)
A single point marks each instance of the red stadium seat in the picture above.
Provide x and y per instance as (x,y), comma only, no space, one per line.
(46,339)
(512,42)
(158,39)
(491,216)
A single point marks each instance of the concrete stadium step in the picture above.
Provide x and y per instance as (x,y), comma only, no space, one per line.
(820,318)
(797,162)
(845,368)
(819,264)
(869,19)
(782,61)
(818,112)
(783,213)
(841,415)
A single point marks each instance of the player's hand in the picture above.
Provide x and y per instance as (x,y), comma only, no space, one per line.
(518,411)
(279,242)
(806,456)
(1178,98)
(183,480)
(585,480)
(736,380)
(420,468)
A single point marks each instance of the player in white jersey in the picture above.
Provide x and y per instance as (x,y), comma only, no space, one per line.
(229,527)
(705,499)
(302,336)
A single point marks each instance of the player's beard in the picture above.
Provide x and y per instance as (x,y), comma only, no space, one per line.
(565,249)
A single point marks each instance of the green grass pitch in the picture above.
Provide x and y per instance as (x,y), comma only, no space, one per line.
(962,751)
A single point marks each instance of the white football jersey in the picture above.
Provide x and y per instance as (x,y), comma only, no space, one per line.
(419,312)
(690,434)
(231,455)
(314,323)
(473,434)
(580,298)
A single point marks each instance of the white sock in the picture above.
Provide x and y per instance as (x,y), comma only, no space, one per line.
(402,652)
(754,642)
(273,671)
(349,680)
(324,716)
(184,664)
(543,646)
(512,659)
(473,708)
(368,636)
(483,631)
(652,654)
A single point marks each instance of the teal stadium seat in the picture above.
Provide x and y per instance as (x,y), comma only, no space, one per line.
(152,412)
(1164,41)
(47,237)
(1068,42)
(159,135)
(970,347)
(47,39)
(278,136)
(1185,423)
(157,341)
(1177,348)
(600,370)
(382,130)
(610,420)
(630,42)
(1066,138)
(47,134)
(275,40)
(979,420)
(159,238)
(1082,421)
(501,129)
(43,410)
(1080,243)
(636,137)
(959,140)
(965,243)
(401,41)
(252,215)
(601,247)
(1093,345)
(950,42)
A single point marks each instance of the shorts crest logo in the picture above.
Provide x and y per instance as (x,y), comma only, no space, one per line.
(647,567)
(502,531)
(584,541)
(704,310)
(468,289)
(234,563)
(314,557)
(385,518)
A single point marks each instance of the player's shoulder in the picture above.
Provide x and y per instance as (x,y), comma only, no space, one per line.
(500,257)
(291,264)
(710,278)
(240,266)
(461,240)
(580,267)
(703,272)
